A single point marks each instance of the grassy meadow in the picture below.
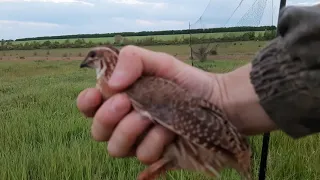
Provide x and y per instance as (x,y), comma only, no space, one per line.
(43,135)
(226,51)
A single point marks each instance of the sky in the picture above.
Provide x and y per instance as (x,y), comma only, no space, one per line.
(33,18)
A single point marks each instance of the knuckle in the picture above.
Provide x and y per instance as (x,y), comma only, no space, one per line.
(127,50)
(105,116)
(121,102)
(157,139)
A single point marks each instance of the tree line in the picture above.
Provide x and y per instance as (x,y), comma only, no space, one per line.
(154,33)
(143,41)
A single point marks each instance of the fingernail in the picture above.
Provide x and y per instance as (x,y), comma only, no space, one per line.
(117,78)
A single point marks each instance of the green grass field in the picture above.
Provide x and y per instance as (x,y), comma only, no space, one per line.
(162,37)
(226,50)
(44,136)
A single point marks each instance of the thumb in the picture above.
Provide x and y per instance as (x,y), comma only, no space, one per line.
(134,61)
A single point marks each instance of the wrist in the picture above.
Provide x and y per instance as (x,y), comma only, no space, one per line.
(241,102)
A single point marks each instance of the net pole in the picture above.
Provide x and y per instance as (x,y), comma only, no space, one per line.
(272,12)
(191,55)
(266,136)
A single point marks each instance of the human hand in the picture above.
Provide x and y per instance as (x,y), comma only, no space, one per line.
(115,122)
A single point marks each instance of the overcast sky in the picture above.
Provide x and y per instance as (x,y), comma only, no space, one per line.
(30,18)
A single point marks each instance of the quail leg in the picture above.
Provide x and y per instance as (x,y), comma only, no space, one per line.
(157,169)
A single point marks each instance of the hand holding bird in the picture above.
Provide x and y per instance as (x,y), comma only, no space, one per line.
(206,141)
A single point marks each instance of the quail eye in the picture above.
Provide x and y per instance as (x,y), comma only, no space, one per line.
(92,54)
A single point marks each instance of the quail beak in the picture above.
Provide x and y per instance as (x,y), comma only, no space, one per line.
(85,63)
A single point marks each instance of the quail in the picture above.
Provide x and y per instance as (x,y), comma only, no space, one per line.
(206,140)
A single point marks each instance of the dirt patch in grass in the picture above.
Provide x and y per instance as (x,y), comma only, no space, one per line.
(225,52)
(37,58)
(180,57)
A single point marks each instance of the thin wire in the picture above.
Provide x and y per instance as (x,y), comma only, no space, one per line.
(242,18)
(272,12)
(199,19)
(245,16)
(234,12)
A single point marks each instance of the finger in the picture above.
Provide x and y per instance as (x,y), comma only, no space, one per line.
(88,101)
(154,143)
(108,116)
(139,139)
(134,61)
(126,134)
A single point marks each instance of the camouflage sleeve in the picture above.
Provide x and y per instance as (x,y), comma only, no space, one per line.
(286,77)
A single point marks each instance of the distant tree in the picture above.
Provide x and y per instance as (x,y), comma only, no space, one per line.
(80,43)
(55,45)
(268,35)
(126,41)
(35,45)
(66,43)
(201,52)
(153,33)
(2,47)
(90,44)
(9,45)
(117,39)
(46,44)
(248,36)
(260,37)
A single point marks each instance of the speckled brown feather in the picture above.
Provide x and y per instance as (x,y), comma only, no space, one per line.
(206,141)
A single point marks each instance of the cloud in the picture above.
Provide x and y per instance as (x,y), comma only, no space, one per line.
(131,2)
(158,22)
(20,29)
(49,1)
(303,3)
(27,23)
(140,3)
(144,22)
(29,18)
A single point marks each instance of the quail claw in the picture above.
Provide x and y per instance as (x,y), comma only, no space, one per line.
(155,170)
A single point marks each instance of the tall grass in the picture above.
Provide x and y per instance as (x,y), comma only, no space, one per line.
(43,135)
